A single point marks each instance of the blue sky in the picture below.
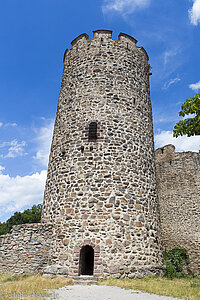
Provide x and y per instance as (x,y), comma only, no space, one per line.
(34,36)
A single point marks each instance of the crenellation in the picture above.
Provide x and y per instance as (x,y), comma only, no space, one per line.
(102,34)
(82,37)
(125,37)
(165,153)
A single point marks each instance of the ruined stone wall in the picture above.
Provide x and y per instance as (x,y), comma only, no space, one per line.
(103,193)
(178,184)
(27,249)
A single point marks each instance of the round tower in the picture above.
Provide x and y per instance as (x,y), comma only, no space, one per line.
(100,193)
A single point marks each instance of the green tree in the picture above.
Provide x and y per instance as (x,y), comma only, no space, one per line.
(189,126)
(32,215)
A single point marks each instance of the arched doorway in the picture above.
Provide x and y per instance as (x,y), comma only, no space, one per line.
(86,263)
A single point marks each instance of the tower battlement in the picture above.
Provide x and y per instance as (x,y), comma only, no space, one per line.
(104,38)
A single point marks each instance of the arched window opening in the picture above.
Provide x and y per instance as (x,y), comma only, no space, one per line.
(86,263)
(92,134)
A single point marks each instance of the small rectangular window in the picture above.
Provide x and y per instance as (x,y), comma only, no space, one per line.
(92,134)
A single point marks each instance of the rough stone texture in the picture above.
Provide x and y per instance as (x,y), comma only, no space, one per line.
(103,193)
(26,248)
(178,184)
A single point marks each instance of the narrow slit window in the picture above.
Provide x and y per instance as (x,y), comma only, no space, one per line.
(92,134)
(82,149)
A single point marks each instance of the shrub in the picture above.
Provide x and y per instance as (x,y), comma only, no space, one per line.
(174,261)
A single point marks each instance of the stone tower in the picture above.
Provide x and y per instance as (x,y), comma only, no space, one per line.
(100,192)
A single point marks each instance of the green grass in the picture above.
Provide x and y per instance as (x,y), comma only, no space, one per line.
(28,287)
(186,288)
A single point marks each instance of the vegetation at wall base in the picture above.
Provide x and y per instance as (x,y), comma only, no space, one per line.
(174,262)
(29,286)
(183,288)
(29,216)
(175,283)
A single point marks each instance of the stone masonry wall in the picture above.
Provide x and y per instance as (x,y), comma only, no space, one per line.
(27,249)
(103,193)
(178,185)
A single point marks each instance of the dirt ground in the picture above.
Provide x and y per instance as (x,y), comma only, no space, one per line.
(101,292)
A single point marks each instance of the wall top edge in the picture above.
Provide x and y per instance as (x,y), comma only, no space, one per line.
(168,146)
(103,31)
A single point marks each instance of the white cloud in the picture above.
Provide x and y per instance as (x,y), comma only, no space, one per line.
(18,192)
(169,54)
(13,149)
(194,13)
(43,140)
(124,6)
(1,169)
(195,86)
(170,82)
(10,125)
(181,143)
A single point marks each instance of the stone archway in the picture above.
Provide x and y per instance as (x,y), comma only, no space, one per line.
(86,261)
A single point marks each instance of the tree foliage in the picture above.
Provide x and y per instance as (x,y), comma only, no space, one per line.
(189,126)
(32,215)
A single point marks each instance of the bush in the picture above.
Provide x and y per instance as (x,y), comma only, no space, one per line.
(174,262)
